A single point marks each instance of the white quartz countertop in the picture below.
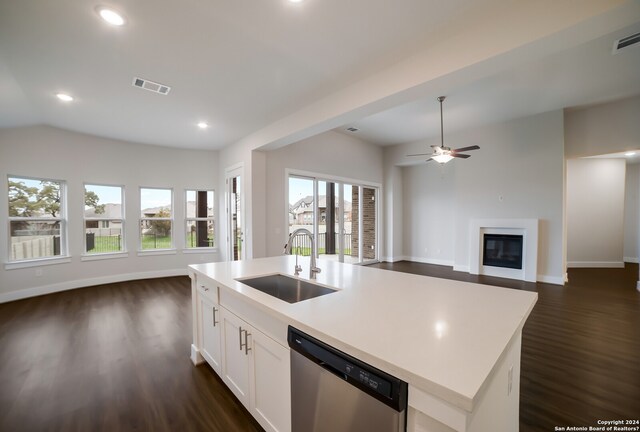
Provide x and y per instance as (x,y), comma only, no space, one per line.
(441,336)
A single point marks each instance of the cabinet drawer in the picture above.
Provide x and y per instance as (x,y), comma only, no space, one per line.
(271,326)
(208,289)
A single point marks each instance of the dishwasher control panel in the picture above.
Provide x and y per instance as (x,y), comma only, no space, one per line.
(373,381)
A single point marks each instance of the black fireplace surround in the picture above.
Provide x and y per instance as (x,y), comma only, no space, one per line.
(502,250)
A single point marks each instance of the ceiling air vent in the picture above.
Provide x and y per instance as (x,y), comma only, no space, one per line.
(625,42)
(151,86)
(352,129)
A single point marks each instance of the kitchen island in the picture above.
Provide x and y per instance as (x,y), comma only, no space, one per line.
(456,344)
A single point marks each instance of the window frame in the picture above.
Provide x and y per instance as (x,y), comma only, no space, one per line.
(361,184)
(188,219)
(62,219)
(158,251)
(86,256)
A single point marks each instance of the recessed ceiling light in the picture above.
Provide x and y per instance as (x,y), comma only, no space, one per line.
(295,1)
(630,153)
(64,97)
(111,16)
(203,125)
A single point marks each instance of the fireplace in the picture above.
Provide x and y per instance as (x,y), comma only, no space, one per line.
(502,250)
(495,243)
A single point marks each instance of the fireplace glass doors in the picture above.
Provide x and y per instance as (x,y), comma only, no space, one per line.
(502,250)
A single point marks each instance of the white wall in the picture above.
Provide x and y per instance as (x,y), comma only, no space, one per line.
(393,241)
(601,129)
(520,160)
(632,213)
(428,225)
(330,153)
(595,212)
(77,158)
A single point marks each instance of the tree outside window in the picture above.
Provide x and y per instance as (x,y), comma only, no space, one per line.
(103,219)
(156,218)
(36,218)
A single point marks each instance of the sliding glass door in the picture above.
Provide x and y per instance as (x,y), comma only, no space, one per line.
(344,225)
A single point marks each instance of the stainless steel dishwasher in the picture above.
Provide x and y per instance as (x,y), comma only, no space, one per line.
(334,392)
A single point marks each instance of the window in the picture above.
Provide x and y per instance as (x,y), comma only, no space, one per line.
(156,218)
(37,219)
(342,216)
(103,219)
(199,220)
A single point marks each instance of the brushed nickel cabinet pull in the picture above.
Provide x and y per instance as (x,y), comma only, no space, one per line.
(246,342)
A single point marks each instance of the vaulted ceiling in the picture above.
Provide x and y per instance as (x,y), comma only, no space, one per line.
(243,66)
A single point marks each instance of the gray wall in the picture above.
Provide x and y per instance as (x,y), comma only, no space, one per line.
(77,158)
(602,129)
(632,213)
(330,153)
(520,160)
(595,212)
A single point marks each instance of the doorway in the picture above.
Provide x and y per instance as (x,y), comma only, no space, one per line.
(342,215)
(235,213)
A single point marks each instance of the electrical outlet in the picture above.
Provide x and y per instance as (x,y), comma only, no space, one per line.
(38,272)
(510,380)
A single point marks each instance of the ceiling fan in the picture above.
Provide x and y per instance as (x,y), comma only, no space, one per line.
(444,154)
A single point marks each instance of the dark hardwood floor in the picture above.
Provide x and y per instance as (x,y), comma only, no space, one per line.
(109,358)
(116,357)
(580,346)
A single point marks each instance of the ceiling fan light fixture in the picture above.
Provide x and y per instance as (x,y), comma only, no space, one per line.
(442,158)
(111,16)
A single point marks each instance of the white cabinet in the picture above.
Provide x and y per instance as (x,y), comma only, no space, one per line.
(211,334)
(247,349)
(271,396)
(237,356)
(257,370)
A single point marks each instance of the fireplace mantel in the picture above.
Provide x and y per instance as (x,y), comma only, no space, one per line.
(528,228)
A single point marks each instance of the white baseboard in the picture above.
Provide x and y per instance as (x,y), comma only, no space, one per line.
(461,268)
(555,280)
(196,357)
(595,264)
(631,260)
(81,283)
(394,259)
(430,261)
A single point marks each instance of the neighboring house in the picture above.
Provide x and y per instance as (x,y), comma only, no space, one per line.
(301,212)
(113,212)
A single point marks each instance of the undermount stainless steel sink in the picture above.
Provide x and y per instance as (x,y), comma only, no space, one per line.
(286,288)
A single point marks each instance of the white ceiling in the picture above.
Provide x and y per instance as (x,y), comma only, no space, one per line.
(585,74)
(239,65)
(242,65)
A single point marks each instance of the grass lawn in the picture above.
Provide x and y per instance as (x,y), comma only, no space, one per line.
(104,244)
(306,251)
(152,241)
(191,240)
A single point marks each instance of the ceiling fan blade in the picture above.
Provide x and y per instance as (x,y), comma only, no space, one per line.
(435,145)
(463,149)
(430,159)
(420,154)
(458,155)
